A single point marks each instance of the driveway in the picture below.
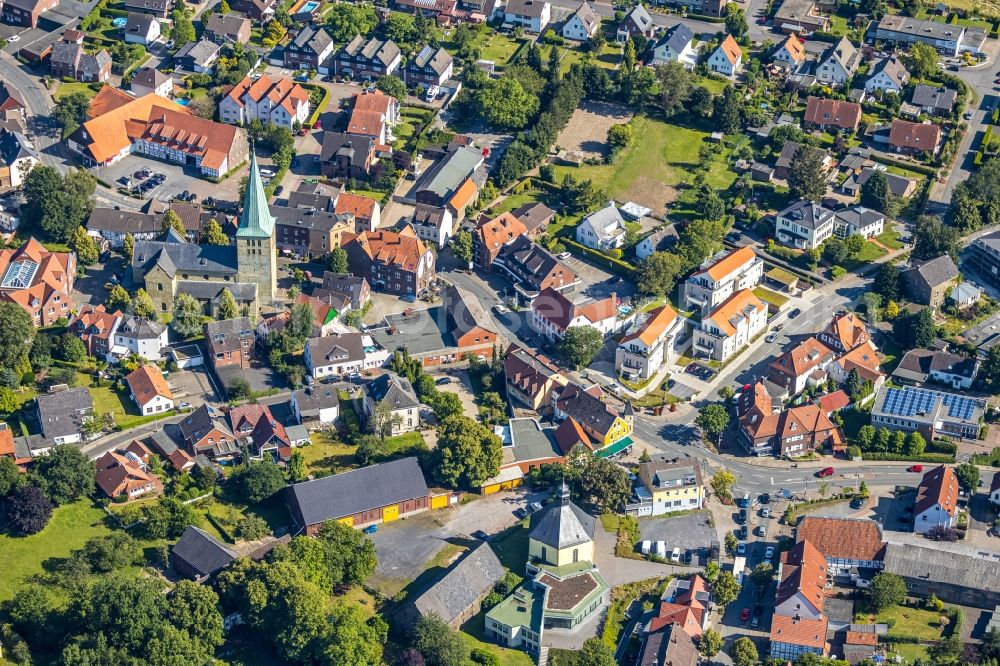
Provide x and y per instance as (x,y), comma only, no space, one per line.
(192,386)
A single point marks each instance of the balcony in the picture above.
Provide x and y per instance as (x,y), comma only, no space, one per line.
(704,346)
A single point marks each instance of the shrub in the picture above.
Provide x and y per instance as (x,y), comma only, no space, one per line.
(481,656)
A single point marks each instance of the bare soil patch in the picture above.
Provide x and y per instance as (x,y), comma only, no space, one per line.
(586,132)
(652,194)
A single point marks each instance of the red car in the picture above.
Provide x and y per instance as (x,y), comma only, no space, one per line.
(744,615)
(826,471)
(915,468)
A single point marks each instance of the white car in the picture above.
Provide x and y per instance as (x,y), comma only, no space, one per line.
(501,309)
(563,256)
(14,38)
(432,94)
(769,553)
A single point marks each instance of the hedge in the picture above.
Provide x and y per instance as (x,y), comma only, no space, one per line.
(314,116)
(615,265)
(705,17)
(923,458)
(941,446)
(909,166)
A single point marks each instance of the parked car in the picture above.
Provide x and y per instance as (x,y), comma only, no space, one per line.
(183,406)
(915,468)
(794,313)
(761,530)
(371,529)
(765,513)
(563,256)
(535,506)
(443,381)
(755,621)
(501,309)
(771,338)
(769,553)
(741,548)
(826,471)
(481,535)
(744,615)
(857,502)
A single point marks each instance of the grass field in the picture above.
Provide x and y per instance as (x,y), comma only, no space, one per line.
(890,238)
(23,557)
(327,455)
(126,413)
(910,652)
(66,89)
(772,297)
(411,121)
(608,58)
(924,624)
(473,635)
(499,48)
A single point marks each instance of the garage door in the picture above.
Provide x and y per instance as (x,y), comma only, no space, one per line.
(349,521)
(439,501)
(513,483)
(390,513)
(492,488)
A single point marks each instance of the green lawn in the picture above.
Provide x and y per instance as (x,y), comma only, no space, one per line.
(890,238)
(474,637)
(768,296)
(23,557)
(919,622)
(714,86)
(407,444)
(125,411)
(411,121)
(910,652)
(608,58)
(499,48)
(511,546)
(66,89)
(327,455)
(838,25)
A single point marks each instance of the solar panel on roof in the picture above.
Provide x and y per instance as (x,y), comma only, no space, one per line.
(913,401)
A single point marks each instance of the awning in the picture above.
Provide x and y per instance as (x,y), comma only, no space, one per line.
(617,447)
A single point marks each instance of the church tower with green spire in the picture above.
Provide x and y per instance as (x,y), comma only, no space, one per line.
(256,248)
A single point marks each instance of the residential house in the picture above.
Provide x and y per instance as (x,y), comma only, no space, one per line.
(912,138)
(275,101)
(341,354)
(858,221)
(581,24)
(984,257)
(846,543)
(675,45)
(888,75)
(459,595)
(141,29)
(845,332)
(552,314)
(198,57)
(602,230)
(791,53)
(804,225)
(928,282)
(655,337)
(965,295)
(229,342)
(452,183)
(920,366)
(123,474)
(25,13)
(395,394)
(149,390)
(531,378)
(933,100)
(346,156)
(530,15)
(136,336)
(60,414)
(354,290)
(955,577)
(902,30)
(731,326)
(663,240)
(373,114)
(95,327)
(865,361)
(70,60)
(535,217)
(316,403)
(227,29)
(366,211)
(12,104)
(533,269)
(670,485)
(310,48)
(310,233)
(800,16)
(798,625)
(669,644)
(158,8)
(198,555)
(164,445)
(325,312)
(205,431)
(936,504)
(588,420)
(471,326)
(149,80)
(931,413)
(433,224)
(995,489)
(900,186)
(114,224)
(804,365)
(430,67)
(783,165)
(361,497)
(637,22)
(39,281)
(684,606)
(794,432)
(17,158)
(834,114)
(720,277)
(838,63)
(364,58)
(727,58)
(256,430)
(257,10)
(396,263)
(491,236)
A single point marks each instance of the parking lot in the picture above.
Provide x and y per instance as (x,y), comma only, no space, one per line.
(176,179)
(692,532)
(192,386)
(598,283)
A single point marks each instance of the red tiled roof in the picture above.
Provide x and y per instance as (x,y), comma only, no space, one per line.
(939,486)
(840,113)
(843,537)
(401,249)
(831,402)
(918,136)
(146,383)
(810,633)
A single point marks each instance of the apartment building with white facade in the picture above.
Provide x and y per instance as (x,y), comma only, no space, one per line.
(719,278)
(730,327)
(654,338)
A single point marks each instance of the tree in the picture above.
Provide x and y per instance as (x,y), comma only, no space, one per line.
(736,21)
(605,485)
(916,445)
(596,652)
(85,247)
(350,554)
(213,234)
(71,111)
(438,643)
(922,60)
(16,334)
(876,194)
(188,316)
(914,330)
(251,527)
(40,355)
(722,484)
(933,238)
(726,588)
(744,652)
(887,282)
(657,273)
(351,638)
(194,609)
(338,261)
(65,473)
(10,476)
(142,306)
(385,421)
(731,543)
(708,204)
(968,476)
(467,453)
(675,88)
(300,324)
(620,136)
(104,554)
(875,9)
(344,21)
(118,299)
(886,590)
(946,651)
(259,480)
(505,104)
(171,220)
(728,110)
(866,435)
(516,160)
(762,573)
(128,247)
(57,206)
(461,247)
(227,306)
(183,29)
(873,302)
(712,419)
(28,509)
(580,345)
(72,349)
(989,648)
(990,370)
(710,643)
(891,310)
(807,178)
(392,86)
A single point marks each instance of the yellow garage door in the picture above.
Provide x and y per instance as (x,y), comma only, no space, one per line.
(390,513)
(513,483)
(492,488)
(349,521)
(439,501)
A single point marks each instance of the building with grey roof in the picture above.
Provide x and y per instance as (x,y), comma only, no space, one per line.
(931,413)
(888,75)
(227,28)
(364,57)
(309,49)
(315,403)
(361,497)
(922,365)
(139,336)
(933,100)
(636,22)
(804,224)
(430,67)
(17,157)
(603,229)
(858,221)
(562,524)
(198,555)
(197,56)
(458,596)
(337,354)
(984,257)
(440,181)
(928,282)
(897,29)
(393,396)
(467,313)
(526,444)
(60,414)
(954,576)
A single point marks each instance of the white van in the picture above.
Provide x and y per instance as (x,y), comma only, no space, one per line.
(675,556)
(644,549)
(661,548)
(432,93)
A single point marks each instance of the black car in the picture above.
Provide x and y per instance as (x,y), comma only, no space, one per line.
(764,498)
(481,535)
(857,503)
(794,313)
